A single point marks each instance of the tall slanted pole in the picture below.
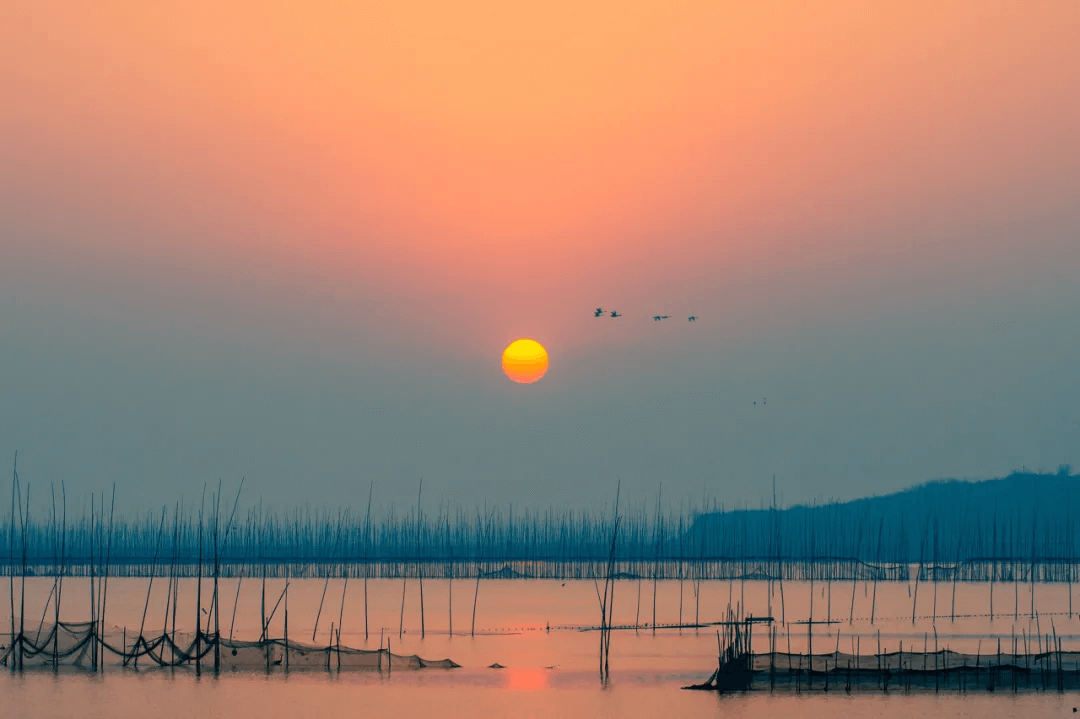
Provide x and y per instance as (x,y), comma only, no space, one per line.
(93,602)
(918,573)
(479,570)
(956,562)
(877,569)
(175,579)
(150,585)
(779,555)
(934,578)
(401,617)
(450,585)
(198,592)
(854,573)
(217,570)
(341,614)
(1034,539)
(56,572)
(286,621)
(24,518)
(59,578)
(240,579)
(367,559)
(419,557)
(326,584)
(169,587)
(11,561)
(262,601)
(63,550)
(105,583)
(658,531)
(682,564)
(607,604)
(993,560)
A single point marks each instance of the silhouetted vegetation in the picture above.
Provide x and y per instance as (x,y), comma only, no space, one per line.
(1020,526)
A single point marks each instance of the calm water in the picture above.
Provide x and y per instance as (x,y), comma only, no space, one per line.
(532,628)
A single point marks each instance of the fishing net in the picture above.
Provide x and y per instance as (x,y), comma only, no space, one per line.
(83,644)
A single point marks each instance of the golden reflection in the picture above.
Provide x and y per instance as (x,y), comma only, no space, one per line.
(527,680)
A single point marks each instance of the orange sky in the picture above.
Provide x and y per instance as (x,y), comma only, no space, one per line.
(441,177)
(545,147)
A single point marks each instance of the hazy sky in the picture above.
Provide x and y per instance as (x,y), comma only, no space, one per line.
(290,240)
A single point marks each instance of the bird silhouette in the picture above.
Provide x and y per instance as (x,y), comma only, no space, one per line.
(692,318)
(615,314)
(599,312)
(657,318)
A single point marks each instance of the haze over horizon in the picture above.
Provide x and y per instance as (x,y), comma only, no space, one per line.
(290,243)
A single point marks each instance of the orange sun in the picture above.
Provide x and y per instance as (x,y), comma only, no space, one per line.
(525,361)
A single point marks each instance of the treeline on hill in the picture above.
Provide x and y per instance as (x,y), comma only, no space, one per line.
(1025,517)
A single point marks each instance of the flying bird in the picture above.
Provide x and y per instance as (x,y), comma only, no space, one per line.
(657,318)
(599,312)
(692,318)
(615,314)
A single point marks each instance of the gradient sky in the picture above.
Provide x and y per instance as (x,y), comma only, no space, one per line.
(290,240)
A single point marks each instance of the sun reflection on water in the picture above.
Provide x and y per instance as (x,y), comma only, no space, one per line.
(526,680)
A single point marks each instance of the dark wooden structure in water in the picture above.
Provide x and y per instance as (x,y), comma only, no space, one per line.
(1042,666)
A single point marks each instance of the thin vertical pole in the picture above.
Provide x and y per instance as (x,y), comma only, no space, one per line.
(93,602)
(11,560)
(217,571)
(286,624)
(419,558)
(105,584)
(367,560)
(198,592)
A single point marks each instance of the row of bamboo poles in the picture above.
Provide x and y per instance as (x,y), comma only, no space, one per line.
(86,643)
(797,544)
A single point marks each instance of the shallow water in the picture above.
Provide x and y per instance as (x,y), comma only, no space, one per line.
(534,629)
(419,695)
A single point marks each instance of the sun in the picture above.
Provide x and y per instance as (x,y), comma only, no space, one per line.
(525,361)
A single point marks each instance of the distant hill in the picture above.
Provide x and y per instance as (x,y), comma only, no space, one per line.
(1019,516)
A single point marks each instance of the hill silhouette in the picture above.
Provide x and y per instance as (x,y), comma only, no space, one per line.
(1021,516)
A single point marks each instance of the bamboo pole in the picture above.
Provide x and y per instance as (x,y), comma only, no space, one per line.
(419,556)
(24,519)
(450,584)
(198,592)
(658,530)
(105,584)
(367,565)
(217,571)
(149,586)
(11,561)
(63,563)
(286,626)
(56,583)
(93,598)
(326,584)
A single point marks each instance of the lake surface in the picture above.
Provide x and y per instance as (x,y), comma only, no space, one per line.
(538,630)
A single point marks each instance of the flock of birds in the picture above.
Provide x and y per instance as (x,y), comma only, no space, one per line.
(600,312)
(656,318)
